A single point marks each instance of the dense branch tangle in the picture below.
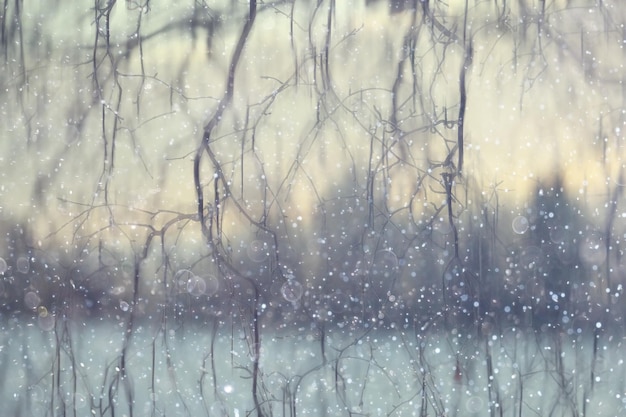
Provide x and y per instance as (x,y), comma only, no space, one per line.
(392,152)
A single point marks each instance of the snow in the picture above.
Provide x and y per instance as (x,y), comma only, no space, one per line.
(321,208)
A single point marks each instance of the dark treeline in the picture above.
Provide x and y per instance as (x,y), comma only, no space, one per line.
(545,267)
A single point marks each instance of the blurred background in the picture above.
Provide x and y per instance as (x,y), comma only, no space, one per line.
(331,181)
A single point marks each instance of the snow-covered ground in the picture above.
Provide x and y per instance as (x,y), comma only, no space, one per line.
(186,370)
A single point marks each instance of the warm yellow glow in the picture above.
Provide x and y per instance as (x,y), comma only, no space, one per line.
(544,99)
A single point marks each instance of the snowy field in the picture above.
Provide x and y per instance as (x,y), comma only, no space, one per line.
(74,370)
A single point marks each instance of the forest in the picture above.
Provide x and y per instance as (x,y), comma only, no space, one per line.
(397,162)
